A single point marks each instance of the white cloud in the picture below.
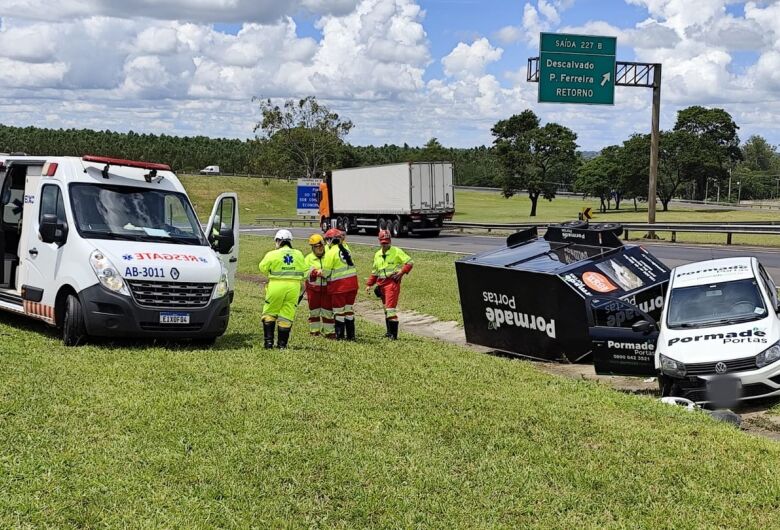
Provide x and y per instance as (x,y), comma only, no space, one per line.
(261,11)
(509,34)
(470,60)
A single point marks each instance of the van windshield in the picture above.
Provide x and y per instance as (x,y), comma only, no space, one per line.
(716,304)
(134,214)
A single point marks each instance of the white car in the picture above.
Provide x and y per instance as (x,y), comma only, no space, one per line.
(717,339)
(210,170)
(100,246)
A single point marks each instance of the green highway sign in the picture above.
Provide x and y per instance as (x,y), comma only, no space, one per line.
(576,69)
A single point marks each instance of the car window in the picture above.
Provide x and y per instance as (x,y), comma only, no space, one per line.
(769,284)
(52,203)
(715,303)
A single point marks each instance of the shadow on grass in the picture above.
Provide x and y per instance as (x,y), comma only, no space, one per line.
(229,342)
(23,323)
(660,210)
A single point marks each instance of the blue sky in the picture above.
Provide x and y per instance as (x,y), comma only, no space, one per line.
(402,70)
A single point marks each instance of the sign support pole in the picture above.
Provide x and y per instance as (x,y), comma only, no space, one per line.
(655,134)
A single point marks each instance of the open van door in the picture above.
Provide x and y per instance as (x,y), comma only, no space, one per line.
(223,232)
(623,337)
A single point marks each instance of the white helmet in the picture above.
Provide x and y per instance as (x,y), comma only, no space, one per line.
(283,235)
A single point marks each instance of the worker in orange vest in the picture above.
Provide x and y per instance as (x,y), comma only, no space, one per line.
(391,264)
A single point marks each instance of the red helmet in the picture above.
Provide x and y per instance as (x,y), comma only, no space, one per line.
(384,236)
(334,233)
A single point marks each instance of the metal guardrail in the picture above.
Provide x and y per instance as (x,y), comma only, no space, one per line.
(706,227)
(287,221)
(729,229)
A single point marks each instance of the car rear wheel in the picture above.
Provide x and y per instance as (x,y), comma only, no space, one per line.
(73,329)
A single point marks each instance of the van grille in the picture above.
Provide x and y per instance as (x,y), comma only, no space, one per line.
(734,365)
(170,294)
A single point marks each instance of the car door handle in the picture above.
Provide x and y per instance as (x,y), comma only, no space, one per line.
(33,251)
(233,259)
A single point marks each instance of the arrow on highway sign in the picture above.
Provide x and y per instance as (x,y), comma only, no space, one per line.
(586,215)
(605,78)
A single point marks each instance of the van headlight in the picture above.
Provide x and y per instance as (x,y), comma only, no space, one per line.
(671,367)
(222,286)
(768,356)
(107,274)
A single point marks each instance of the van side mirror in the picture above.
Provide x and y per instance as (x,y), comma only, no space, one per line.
(226,241)
(643,326)
(52,231)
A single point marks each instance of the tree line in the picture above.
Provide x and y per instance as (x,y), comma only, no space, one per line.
(701,157)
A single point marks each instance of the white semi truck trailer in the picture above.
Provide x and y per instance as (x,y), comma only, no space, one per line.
(406,198)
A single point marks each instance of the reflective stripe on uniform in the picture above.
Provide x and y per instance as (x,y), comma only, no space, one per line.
(286,275)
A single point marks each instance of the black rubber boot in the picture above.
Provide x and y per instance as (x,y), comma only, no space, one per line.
(284,336)
(349,325)
(268,334)
(388,333)
(393,325)
(339,330)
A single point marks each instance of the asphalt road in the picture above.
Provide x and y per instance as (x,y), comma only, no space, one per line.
(672,254)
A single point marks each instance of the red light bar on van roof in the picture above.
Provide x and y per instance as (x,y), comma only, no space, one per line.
(127,163)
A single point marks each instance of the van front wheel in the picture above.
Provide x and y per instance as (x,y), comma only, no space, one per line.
(73,329)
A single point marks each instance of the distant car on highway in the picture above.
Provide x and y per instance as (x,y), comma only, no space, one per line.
(210,170)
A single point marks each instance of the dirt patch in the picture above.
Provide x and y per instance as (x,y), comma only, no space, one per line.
(755,418)
(452,332)
(252,278)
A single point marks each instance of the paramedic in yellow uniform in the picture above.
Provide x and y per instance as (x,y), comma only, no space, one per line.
(286,269)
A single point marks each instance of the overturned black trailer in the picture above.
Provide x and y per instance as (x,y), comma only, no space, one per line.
(537,296)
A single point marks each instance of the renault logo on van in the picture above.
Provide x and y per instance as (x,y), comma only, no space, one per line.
(175,273)
(721,368)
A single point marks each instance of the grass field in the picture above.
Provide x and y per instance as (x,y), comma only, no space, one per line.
(256,197)
(373,434)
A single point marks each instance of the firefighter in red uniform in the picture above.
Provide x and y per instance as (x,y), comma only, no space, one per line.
(320,310)
(390,265)
(338,269)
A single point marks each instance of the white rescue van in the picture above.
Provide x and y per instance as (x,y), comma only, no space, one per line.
(100,246)
(718,338)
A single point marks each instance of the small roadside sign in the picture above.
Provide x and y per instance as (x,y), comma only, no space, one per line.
(586,214)
(576,69)
(307,201)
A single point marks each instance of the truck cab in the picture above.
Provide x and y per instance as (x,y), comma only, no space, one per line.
(717,336)
(100,246)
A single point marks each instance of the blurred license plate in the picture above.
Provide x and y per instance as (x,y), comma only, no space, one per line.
(174,318)
(724,391)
